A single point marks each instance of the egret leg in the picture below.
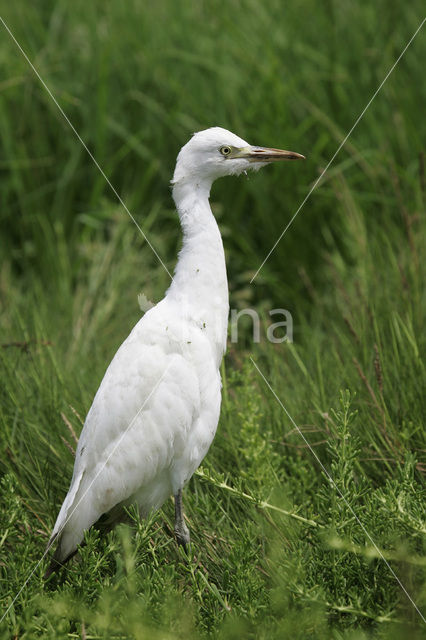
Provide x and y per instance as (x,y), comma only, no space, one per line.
(181,530)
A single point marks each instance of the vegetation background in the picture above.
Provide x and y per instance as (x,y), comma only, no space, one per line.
(278,551)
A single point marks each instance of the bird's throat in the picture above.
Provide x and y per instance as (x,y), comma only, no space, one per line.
(200,283)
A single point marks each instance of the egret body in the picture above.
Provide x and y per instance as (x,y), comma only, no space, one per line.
(156,411)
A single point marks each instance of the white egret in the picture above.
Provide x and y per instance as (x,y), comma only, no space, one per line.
(156,411)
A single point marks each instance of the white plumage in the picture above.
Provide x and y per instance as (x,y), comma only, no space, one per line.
(155,413)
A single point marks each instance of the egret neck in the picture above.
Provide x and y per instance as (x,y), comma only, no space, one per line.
(200,284)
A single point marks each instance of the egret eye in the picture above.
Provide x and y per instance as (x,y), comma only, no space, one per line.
(225,151)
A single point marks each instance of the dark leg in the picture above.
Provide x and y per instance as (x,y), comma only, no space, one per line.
(181,530)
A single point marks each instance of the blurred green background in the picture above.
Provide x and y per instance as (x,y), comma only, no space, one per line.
(136,80)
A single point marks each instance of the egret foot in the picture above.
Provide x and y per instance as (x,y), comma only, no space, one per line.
(181,530)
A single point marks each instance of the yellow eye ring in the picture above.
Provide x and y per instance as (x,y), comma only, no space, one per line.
(225,151)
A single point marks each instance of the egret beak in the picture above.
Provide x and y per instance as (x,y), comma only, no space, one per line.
(263,154)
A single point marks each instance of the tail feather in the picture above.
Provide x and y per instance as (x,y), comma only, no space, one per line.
(58,558)
(105,524)
(57,561)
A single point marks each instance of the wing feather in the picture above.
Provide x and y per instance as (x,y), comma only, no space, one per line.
(139,420)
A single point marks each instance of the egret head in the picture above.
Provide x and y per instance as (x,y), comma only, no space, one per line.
(216,152)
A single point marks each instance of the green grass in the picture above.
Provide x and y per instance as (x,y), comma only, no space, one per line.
(278,550)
